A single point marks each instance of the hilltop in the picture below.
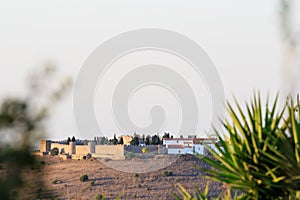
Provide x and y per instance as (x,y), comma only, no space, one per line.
(61,178)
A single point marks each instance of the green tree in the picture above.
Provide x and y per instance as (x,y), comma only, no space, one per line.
(147,141)
(166,135)
(68,140)
(135,141)
(115,140)
(143,138)
(121,140)
(155,140)
(73,139)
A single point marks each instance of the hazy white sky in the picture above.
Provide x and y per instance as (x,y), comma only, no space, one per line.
(241,37)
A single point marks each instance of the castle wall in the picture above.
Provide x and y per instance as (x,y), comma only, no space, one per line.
(114,152)
(62,147)
(110,151)
(138,149)
(82,149)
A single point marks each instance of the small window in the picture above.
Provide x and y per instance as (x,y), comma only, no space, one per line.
(177,141)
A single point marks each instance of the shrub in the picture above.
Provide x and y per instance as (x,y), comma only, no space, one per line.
(129,155)
(136,175)
(92,183)
(84,178)
(88,156)
(42,162)
(84,157)
(164,173)
(144,150)
(54,151)
(167,173)
(99,197)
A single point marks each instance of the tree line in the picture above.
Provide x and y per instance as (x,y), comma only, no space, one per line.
(136,140)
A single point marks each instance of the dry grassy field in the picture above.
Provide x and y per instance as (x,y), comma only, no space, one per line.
(60,179)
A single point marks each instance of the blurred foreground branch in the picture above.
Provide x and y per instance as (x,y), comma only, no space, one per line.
(21,123)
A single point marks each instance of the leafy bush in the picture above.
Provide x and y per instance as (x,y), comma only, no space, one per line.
(99,197)
(92,183)
(42,162)
(144,150)
(102,197)
(84,178)
(129,155)
(167,173)
(54,151)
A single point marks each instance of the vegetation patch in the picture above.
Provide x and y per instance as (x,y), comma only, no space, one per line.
(54,151)
(84,178)
(167,173)
(92,183)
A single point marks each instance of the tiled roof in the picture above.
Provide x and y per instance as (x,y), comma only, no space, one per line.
(175,146)
(178,138)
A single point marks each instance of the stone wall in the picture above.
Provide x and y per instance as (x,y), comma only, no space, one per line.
(82,149)
(72,148)
(138,149)
(61,147)
(114,152)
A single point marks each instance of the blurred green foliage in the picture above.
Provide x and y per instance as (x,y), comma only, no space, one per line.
(21,124)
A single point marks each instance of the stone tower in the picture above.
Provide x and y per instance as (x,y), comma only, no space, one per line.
(45,146)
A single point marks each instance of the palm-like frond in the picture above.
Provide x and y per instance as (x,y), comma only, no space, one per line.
(261,155)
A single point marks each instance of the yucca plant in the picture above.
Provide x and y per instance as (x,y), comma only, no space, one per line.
(199,195)
(259,152)
(185,195)
(287,153)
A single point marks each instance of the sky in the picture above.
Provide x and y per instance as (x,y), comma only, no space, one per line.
(242,38)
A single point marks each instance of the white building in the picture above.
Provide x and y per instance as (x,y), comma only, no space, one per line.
(188,145)
(179,145)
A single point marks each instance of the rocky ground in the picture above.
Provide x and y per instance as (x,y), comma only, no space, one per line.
(59,179)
